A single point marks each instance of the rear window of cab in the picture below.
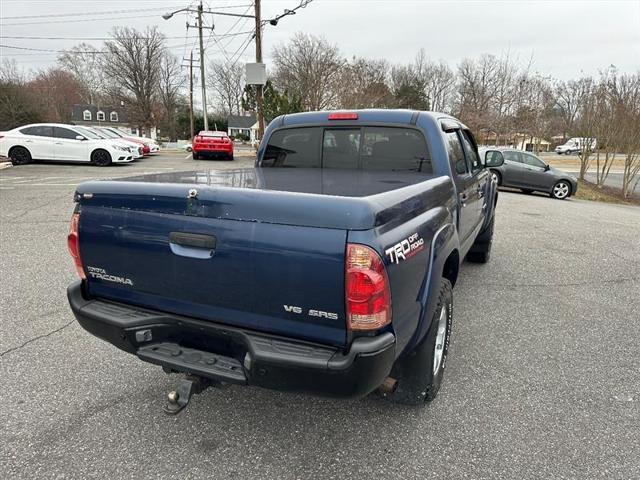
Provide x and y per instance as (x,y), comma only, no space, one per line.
(397,149)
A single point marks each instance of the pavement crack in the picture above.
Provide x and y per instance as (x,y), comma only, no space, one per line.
(38,337)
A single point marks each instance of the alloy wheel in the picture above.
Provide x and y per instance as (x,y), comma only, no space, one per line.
(441,337)
(561,190)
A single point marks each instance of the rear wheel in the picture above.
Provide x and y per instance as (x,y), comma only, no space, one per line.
(101,158)
(422,371)
(20,156)
(561,190)
(230,157)
(195,156)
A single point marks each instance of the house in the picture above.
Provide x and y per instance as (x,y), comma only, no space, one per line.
(241,125)
(107,116)
(530,144)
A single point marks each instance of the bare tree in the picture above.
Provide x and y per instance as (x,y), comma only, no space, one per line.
(57,91)
(18,104)
(84,61)
(437,80)
(363,84)
(171,81)
(310,67)
(132,64)
(477,86)
(227,82)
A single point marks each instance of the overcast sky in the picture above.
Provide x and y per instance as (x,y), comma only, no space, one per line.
(563,38)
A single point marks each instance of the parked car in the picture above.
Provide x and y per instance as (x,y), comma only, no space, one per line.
(188,147)
(327,268)
(149,145)
(529,173)
(135,148)
(212,144)
(53,141)
(119,136)
(576,145)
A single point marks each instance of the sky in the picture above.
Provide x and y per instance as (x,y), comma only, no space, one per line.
(562,39)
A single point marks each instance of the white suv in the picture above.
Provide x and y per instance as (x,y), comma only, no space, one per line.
(65,143)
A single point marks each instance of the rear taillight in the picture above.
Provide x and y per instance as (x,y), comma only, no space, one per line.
(73,242)
(367,293)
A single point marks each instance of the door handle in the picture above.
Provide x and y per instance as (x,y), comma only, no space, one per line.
(464,196)
(192,245)
(480,192)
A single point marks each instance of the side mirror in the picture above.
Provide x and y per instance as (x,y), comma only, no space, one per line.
(493,158)
(546,167)
(80,137)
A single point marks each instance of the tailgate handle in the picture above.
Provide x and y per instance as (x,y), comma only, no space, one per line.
(193,240)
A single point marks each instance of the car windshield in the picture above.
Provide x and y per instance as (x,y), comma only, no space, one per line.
(88,133)
(117,134)
(108,133)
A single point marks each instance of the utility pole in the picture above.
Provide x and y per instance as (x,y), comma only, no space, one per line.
(202,61)
(191,94)
(259,90)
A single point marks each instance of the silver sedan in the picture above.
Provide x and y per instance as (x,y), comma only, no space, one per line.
(527,172)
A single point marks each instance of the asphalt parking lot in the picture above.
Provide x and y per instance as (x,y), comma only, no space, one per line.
(542,381)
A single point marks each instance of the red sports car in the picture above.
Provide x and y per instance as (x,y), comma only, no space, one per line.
(212,145)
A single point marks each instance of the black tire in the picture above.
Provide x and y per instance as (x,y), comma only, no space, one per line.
(480,251)
(101,158)
(497,175)
(230,158)
(561,190)
(20,156)
(418,383)
(195,156)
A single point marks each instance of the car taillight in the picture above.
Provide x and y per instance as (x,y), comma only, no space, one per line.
(73,242)
(368,298)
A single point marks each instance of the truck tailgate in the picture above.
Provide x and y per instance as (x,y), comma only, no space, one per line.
(269,277)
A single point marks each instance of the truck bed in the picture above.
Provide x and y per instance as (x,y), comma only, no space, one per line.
(350,199)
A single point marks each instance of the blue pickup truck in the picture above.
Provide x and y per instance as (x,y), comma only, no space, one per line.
(327,268)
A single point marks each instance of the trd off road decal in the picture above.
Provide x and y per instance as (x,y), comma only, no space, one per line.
(405,249)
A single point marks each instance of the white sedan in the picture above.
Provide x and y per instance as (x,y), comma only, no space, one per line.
(66,143)
(134,148)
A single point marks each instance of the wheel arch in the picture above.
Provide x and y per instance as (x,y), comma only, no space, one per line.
(13,147)
(444,263)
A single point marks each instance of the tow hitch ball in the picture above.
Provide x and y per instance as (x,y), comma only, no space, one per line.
(188,387)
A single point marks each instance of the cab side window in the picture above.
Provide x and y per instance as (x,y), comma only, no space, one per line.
(456,154)
(470,152)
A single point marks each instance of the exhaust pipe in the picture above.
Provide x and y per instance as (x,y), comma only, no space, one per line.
(388,386)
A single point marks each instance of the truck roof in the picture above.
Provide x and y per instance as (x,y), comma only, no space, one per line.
(373,115)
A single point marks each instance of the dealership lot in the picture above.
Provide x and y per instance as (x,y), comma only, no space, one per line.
(543,379)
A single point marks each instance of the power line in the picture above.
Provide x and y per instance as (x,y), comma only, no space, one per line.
(47,22)
(110,12)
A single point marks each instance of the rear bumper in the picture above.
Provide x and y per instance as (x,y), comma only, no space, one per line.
(212,150)
(233,355)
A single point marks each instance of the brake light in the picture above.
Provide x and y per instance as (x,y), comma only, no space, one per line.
(73,242)
(367,293)
(343,116)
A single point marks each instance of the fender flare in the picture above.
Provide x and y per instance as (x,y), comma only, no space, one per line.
(445,241)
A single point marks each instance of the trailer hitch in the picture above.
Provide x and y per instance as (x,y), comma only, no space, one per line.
(189,386)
